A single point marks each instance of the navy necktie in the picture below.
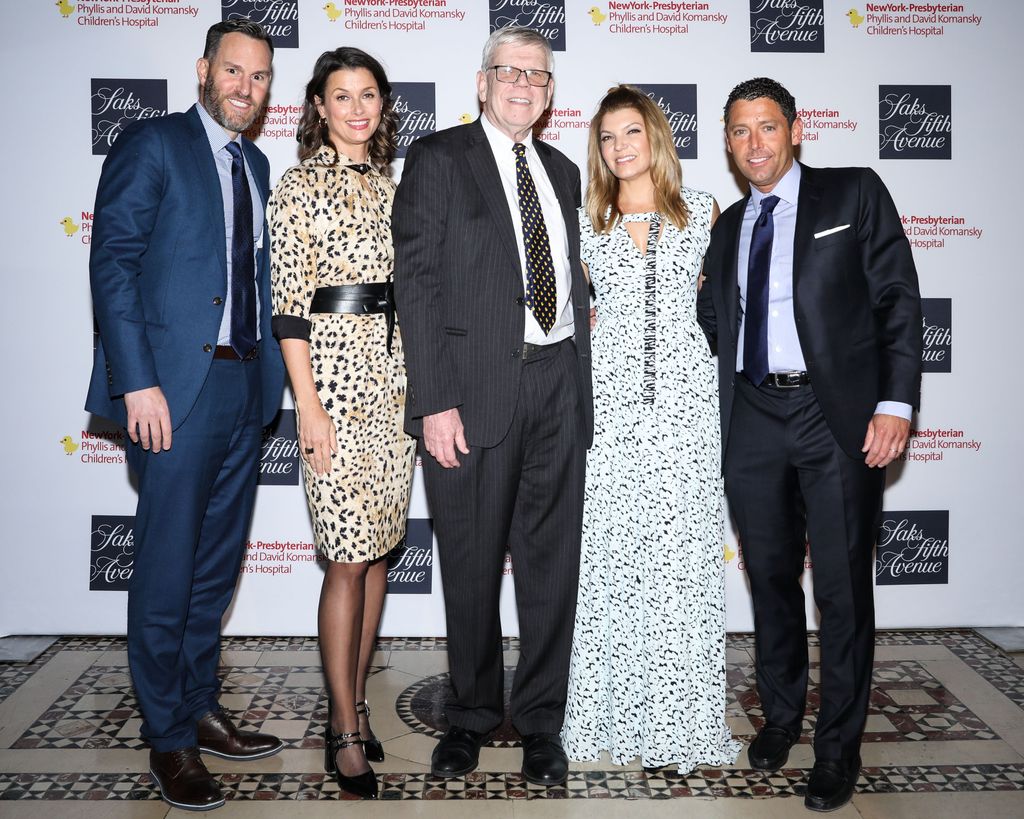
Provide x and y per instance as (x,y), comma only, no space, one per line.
(541,293)
(243,266)
(755,318)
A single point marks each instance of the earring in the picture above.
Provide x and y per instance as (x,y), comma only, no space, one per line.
(323,122)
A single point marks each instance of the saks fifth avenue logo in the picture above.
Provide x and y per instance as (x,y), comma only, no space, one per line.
(787,25)
(411,563)
(915,122)
(279,18)
(913,548)
(112,552)
(279,458)
(417,112)
(937,330)
(679,102)
(118,103)
(546,18)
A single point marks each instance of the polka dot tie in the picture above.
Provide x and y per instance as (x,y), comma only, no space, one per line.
(541,293)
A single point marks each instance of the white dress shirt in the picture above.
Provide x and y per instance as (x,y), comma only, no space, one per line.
(504,156)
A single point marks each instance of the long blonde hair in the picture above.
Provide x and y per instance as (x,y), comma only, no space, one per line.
(603,188)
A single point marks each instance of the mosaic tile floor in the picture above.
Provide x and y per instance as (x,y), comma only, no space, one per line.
(945,738)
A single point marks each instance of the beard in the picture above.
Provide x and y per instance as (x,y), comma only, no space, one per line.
(217,107)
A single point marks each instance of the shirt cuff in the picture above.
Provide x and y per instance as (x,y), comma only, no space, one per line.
(897,408)
(290,327)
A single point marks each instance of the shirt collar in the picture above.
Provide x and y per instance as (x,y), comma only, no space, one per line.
(215,133)
(501,144)
(787,188)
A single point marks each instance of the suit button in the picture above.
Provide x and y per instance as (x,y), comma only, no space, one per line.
(217,300)
(520,301)
(207,348)
(515,353)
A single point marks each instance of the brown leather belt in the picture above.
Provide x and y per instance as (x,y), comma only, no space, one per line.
(229,354)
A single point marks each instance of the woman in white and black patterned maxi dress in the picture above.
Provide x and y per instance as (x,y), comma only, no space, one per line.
(647,677)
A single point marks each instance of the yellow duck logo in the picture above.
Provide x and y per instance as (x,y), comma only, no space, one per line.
(855,18)
(333,12)
(65,8)
(729,553)
(465,119)
(69,445)
(596,15)
(70,228)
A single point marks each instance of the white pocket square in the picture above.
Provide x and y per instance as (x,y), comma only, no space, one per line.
(830,231)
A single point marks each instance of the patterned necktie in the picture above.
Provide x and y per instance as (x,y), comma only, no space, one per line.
(541,293)
(755,319)
(243,270)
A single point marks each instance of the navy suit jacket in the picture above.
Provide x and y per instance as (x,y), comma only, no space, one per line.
(855,299)
(158,268)
(459,282)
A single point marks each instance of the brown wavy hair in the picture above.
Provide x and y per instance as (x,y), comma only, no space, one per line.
(312,134)
(603,189)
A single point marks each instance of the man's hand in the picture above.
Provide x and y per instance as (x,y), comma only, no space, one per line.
(886,439)
(149,419)
(442,435)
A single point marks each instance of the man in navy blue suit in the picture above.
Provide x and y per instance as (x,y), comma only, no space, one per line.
(187,363)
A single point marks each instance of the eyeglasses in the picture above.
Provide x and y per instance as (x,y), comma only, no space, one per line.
(511,74)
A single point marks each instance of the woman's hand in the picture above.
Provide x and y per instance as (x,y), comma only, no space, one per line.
(317,439)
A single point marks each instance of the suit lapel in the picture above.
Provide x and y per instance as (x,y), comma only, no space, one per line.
(485,172)
(209,184)
(807,208)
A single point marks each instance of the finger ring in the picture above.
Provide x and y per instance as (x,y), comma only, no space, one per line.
(891,450)
(309,450)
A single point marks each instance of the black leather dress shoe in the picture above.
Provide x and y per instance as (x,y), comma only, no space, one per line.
(770,748)
(830,785)
(183,779)
(457,754)
(544,761)
(217,735)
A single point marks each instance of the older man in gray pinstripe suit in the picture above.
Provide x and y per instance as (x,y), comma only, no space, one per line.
(494,312)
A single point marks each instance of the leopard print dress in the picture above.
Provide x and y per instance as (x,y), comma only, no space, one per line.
(330,225)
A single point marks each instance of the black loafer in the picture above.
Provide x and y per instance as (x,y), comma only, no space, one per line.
(770,748)
(544,760)
(457,754)
(830,785)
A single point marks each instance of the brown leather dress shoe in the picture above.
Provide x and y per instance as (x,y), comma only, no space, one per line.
(183,779)
(217,735)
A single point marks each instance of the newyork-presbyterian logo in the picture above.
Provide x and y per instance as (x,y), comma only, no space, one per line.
(915,122)
(937,333)
(548,18)
(416,106)
(112,552)
(118,103)
(279,456)
(279,18)
(679,103)
(913,548)
(787,26)
(411,563)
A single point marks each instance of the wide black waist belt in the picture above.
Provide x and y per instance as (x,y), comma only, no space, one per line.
(374,297)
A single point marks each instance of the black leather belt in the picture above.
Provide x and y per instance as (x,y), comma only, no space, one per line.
(787,381)
(534,352)
(375,297)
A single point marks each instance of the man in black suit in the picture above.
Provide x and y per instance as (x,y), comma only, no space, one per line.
(494,311)
(812,299)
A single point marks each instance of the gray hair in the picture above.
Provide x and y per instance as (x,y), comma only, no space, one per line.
(516,36)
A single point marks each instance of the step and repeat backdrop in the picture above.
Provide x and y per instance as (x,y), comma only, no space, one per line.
(926,93)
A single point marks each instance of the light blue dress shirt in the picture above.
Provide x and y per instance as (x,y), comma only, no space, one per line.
(784,352)
(218,145)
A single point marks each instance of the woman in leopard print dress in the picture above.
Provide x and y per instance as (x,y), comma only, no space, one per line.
(330,223)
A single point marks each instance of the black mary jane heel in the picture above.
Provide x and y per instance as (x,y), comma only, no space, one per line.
(363,785)
(372,747)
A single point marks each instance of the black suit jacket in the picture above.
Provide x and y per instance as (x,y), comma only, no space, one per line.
(459,282)
(855,299)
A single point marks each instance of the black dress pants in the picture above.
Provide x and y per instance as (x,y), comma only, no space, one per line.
(789,484)
(524,495)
